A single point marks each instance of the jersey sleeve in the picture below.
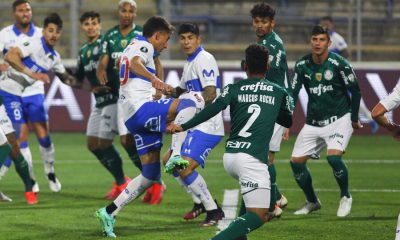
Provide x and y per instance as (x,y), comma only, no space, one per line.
(212,109)
(392,101)
(58,67)
(349,78)
(105,47)
(207,71)
(2,39)
(140,49)
(286,111)
(27,48)
(339,42)
(297,83)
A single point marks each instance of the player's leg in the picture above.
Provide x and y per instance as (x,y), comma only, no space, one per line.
(108,130)
(247,169)
(337,136)
(306,142)
(36,112)
(195,149)
(5,150)
(274,147)
(26,152)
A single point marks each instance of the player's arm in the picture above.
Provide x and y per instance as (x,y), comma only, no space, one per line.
(14,58)
(296,84)
(159,68)
(101,72)
(211,110)
(350,81)
(209,94)
(176,92)
(286,111)
(137,66)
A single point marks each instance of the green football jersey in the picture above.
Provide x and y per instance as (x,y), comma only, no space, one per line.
(88,59)
(328,86)
(278,71)
(255,106)
(113,45)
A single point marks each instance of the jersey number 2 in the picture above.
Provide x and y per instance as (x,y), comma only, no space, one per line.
(255,110)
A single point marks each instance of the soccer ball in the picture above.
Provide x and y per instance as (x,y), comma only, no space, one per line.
(195,97)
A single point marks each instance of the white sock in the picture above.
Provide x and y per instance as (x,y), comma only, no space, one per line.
(199,187)
(3,171)
(182,183)
(178,138)
(134,189)
(48,158)
(26,152)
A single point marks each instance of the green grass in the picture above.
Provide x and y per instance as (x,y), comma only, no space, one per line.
(70,214)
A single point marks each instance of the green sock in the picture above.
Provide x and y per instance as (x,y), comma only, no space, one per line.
(242,209)
(278,194)
(4,151)
(303,179)
(114,163)
(240,226)
(272,176)
(134,156)
(100,156)
(341,174)
(21,165)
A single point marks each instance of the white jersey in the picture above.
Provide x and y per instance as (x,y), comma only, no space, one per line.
(392,101)
(338,42)
(200,71)
(9,37)
(39,58)
(136,90)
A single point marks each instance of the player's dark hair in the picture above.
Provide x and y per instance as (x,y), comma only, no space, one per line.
(53,18)
(262,10)
(318,29)
(16,3)
(90,15)
(327,18)
(189,28)
(256,58)
(156,24)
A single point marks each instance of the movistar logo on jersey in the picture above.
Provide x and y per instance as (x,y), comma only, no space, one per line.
(208,74)
(321,89)
(237,144)
(259,86)
(115,55)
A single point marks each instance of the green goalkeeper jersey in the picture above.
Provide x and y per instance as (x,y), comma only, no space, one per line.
(332,89)
(113,45)
(88,59)
(278,71)
(255,106)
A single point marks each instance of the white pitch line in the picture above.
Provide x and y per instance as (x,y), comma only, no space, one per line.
(229,206)
(351,190)
(215,161)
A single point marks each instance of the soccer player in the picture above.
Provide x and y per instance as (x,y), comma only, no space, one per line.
(201,76)
(255,105)
(22,30)
(114,42)
(389,103)
(263,16)
(339,46)
(145,119)
(28,60)
(331,117)
(7,138)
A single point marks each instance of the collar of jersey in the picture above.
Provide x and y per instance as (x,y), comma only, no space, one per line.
(47,49)
(29,33)
(194,55)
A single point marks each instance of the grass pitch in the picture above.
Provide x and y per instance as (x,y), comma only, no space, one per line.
(374,169)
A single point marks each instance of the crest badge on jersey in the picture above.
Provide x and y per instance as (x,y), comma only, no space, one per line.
(328,74)
(144,49)
(88,54)
(124,43)
(318,76)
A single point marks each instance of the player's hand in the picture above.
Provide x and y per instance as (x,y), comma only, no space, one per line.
(395,129)
(103,77)
(41,77)
(158,84)
(157,95)
(285,135)
(3,67)
(173,128)
(101,89)
(357,125)
(168,90)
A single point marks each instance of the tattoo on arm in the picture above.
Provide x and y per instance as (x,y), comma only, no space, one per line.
(209,94)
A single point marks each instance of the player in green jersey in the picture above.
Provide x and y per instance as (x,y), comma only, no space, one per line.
(255,105)
(263,16)
(331,117)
